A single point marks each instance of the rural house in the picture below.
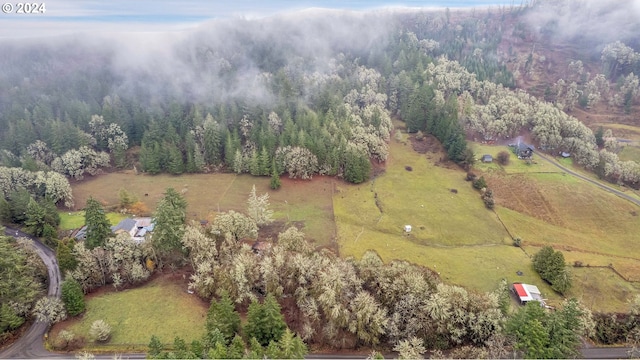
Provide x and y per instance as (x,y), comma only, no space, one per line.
(487,158)
(524,151)
(136,228)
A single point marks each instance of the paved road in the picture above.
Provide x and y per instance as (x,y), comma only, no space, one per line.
(596,183)
(606,353)
(31,344)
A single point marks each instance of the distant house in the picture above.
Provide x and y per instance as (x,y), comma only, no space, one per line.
(80,234)
(524,151)
(526,293)
(136,228)
(487,158)
(407,228)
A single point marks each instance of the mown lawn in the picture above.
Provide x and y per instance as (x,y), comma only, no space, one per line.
(75,219)
(162,308)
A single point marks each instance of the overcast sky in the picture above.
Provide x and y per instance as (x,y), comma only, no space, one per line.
(82,16)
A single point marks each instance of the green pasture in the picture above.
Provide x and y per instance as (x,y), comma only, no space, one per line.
(452,233)
(601,290)
(456,236)
(441,207)
(582,217)
(162,308)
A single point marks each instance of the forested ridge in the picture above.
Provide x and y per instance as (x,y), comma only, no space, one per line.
(273,96)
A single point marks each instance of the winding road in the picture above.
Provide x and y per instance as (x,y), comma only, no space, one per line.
(596,183)
(31,344)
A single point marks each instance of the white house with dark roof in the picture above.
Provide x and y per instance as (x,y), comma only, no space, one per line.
(136,228)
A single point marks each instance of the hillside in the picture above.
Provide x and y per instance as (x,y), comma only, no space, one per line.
(357,124)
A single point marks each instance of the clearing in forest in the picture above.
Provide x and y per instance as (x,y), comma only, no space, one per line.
(304,203)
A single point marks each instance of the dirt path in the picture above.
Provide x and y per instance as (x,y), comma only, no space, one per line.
(596,183)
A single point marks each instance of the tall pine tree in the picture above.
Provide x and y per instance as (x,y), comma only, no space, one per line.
(170,216)
(98,227)
(265,322)
(223,316)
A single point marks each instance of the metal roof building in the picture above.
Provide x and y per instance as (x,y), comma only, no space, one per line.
(526,293)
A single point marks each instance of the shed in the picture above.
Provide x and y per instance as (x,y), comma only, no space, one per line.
(526,293)
(487,158)
(407,228)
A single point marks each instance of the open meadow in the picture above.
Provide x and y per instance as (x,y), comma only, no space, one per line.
(589,225)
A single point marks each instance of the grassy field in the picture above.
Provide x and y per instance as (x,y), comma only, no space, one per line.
(600,289)
(515,165)
(307,203)
(630,152)
(75,219)
(622,131)
(452,232)
(568,213)
(162,308)
(455,235)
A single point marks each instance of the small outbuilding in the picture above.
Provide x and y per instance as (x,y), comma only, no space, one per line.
(407,228)
(565,154)
(487,158)
(526,293)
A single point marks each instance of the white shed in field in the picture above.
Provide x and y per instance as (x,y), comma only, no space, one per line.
(407,228)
